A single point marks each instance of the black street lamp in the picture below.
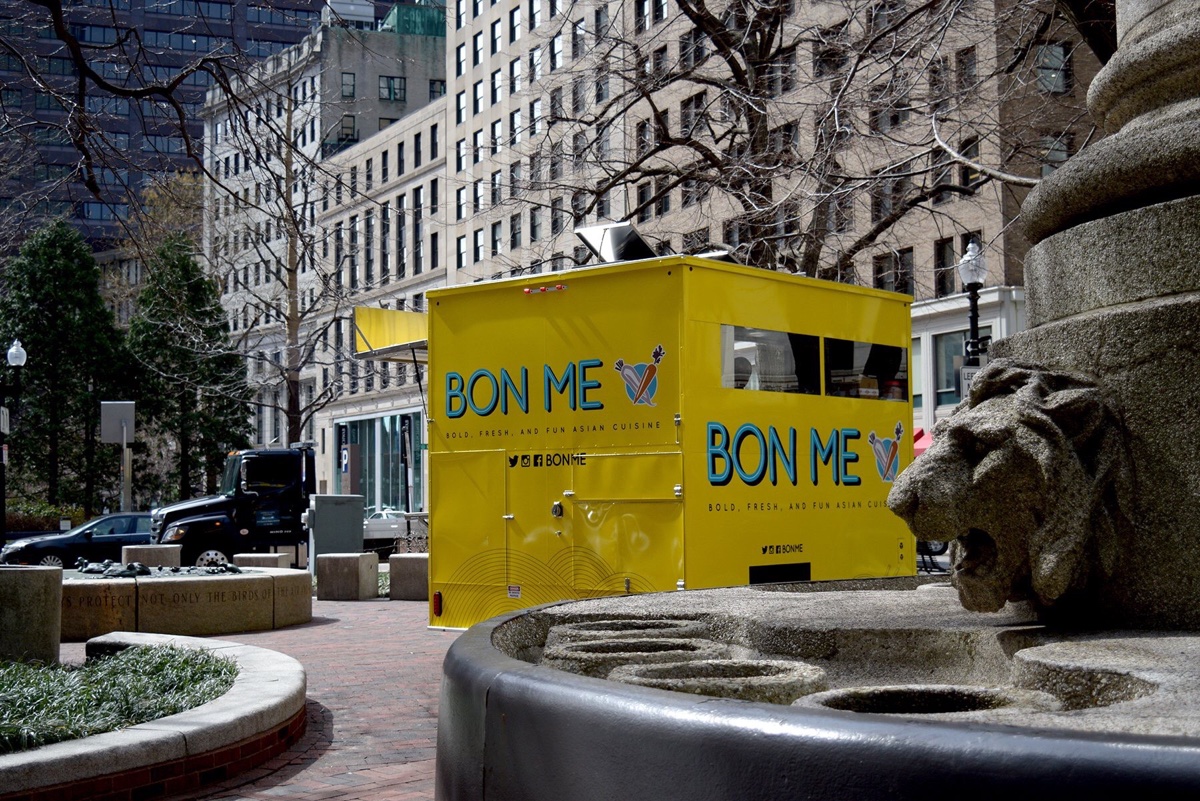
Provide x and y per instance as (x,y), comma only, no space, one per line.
(973,271)
(16,360)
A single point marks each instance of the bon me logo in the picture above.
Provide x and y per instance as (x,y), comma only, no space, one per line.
(577,384)
(641,380)
(887,453)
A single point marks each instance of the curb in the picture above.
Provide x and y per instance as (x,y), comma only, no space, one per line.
(262,714)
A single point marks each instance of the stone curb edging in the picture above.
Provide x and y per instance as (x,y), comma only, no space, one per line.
(262,714)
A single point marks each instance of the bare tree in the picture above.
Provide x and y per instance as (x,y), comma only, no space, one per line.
(807,133)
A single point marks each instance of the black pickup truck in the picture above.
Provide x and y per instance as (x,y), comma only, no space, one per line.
(262,496)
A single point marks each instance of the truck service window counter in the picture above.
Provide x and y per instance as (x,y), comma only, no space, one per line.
(669,423)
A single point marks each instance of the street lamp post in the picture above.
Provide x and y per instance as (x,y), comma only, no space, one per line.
(16,360)
(973,271)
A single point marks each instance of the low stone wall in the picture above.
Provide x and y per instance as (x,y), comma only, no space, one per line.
(187,604)
(262,715)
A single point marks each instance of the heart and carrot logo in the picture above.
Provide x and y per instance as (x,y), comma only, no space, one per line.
(887,453)
(641,380)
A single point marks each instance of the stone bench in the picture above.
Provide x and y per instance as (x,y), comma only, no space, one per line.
(152,555)
(347,576)
(283,560)
(409,574)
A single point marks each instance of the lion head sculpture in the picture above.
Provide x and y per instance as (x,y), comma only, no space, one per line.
(1029,480)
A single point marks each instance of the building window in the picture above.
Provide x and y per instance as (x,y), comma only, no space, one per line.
(497,235)
(830,53)
(348,84)
(557,216)
(691,113)
(966,69)
(514,232)
(514,76)
(968,175)
(1054,68)
(644,209)
(437,88)
(948,352)
(893,271)
(514,179)
(662,201)
(943,267)
(392,88)
(535,225)
(514,127)
(1056,149)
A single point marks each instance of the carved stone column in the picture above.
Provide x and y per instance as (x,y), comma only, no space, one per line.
(1114,293)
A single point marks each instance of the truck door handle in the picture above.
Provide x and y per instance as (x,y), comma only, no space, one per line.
(508,517)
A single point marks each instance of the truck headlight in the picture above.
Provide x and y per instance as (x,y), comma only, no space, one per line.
(174,533)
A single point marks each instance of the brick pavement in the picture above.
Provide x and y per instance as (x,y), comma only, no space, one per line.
(374,672)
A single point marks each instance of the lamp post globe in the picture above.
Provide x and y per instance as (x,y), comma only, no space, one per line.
(16,354)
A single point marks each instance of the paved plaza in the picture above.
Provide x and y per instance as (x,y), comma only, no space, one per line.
(374,671)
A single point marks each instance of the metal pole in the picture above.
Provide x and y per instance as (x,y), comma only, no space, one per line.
(126,469)
(3,484)
(3,467)
(972,355)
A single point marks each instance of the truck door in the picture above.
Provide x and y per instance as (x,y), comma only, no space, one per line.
(626,514)
(538,531)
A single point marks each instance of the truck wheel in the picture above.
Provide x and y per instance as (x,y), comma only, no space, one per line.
(211,557)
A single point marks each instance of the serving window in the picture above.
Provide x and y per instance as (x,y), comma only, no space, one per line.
(865,370)
(770,361)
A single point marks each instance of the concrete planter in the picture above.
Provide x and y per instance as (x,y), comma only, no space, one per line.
(30,613)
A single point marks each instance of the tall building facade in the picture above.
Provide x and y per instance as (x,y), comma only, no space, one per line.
(283,157)
(129,43)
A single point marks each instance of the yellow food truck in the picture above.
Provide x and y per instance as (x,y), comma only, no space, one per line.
(668,423)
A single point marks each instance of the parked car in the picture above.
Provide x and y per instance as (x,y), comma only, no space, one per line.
(384,524)
(96,540)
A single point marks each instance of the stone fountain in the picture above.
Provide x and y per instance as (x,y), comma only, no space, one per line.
(1064,659)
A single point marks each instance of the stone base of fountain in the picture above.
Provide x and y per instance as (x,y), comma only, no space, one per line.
(906,692)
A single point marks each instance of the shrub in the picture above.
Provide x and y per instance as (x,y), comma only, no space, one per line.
(48,704)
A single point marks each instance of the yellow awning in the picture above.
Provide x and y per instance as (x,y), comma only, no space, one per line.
(390,335)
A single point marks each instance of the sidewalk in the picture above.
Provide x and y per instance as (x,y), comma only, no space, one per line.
(374,672)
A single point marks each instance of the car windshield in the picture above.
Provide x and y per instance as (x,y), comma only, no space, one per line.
(232,475)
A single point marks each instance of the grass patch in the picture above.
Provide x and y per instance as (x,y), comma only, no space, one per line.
(48,704)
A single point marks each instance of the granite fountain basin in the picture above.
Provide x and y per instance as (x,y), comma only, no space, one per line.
(918,695)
